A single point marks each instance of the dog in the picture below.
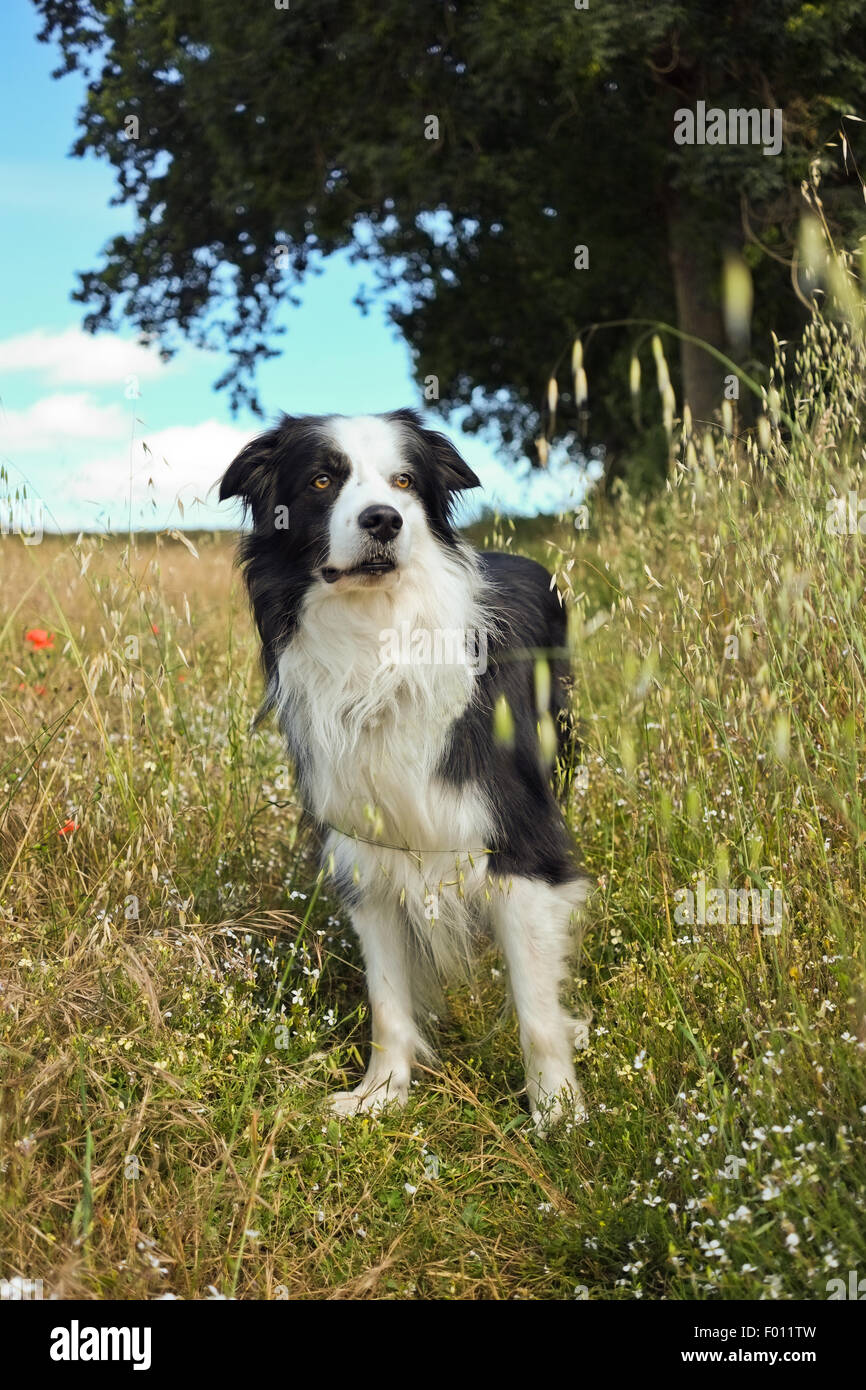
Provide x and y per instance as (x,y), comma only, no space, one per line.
(429,778)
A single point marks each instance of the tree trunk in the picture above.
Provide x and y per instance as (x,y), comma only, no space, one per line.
(696,267)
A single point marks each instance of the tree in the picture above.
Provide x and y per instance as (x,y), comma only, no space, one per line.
(465,149)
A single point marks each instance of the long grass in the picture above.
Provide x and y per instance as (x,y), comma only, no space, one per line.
(179,990)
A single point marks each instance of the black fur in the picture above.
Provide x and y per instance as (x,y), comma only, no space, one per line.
(279,562)
(533,839)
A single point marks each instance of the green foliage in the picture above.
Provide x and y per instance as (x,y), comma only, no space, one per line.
(305,128)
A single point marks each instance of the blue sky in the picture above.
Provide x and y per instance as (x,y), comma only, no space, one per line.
(91,451)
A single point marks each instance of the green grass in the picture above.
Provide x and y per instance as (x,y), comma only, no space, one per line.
(180,992)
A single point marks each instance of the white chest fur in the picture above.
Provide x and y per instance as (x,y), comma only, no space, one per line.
(374,732)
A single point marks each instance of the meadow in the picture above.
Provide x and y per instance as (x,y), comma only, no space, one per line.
(180,989)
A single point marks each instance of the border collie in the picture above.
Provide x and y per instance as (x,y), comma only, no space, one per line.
(429,777)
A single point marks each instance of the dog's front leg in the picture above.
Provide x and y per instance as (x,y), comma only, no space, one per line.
(396,1040)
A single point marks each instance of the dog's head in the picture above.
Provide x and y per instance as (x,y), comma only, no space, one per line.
(342,502)
(346,498)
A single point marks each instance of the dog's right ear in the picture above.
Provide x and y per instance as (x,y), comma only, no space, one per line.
(249,476)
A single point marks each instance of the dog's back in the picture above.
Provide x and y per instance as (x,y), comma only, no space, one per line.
(527,668)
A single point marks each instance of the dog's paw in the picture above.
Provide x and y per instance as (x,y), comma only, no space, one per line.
(366,1100)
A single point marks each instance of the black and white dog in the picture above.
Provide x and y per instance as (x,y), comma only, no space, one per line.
(403,667)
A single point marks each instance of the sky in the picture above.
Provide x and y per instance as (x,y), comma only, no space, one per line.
(101,433)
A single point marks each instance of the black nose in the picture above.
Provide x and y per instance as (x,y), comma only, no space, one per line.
(382,522)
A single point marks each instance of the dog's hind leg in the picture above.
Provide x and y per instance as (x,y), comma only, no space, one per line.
(533,922)
(397,1041)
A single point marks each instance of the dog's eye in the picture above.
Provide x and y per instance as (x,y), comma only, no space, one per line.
(321,481)
(403,480)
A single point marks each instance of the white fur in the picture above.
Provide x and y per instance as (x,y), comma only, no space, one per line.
(533,923)
(374,734)
(374,448)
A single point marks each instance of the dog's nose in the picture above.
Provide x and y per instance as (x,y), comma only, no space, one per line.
(383,522)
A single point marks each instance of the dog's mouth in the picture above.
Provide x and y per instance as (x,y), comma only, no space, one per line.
(382,565)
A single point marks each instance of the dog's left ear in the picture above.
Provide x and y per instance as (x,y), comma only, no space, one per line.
(248,476)
(454,470)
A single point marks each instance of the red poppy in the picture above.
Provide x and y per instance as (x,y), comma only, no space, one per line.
(68,828)
(39,638)
(39,690)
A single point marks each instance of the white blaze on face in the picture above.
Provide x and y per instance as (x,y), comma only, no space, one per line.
(375,450)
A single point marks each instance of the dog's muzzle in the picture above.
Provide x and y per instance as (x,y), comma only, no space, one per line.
(380,524)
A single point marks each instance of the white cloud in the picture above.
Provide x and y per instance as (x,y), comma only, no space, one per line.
(183,461)
(73,357)
(54,422)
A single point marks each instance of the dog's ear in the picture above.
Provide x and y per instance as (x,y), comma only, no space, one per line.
(438,450)
(248,476)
